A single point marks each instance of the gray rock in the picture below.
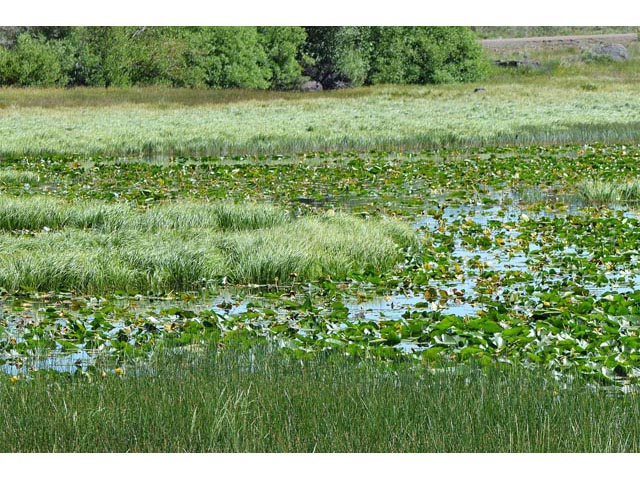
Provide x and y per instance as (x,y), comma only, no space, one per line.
(311,86)
(614,51)
(339,85)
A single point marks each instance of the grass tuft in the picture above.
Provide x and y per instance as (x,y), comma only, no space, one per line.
(313,247)
(94,247)
(12,177)
(38,212)
(600,192)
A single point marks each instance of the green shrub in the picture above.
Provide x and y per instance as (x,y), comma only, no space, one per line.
(101,56)
(158,58)
(238,57)
(375,55)
(445,54)
(427,55)
(353,54)
(338,54)
(32,62)
(281,46)
(389,63)
(229,57)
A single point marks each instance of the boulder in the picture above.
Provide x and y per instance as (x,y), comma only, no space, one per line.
(311,86)
(613,51)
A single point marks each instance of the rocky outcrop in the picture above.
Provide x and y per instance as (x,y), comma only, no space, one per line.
(311,86)
(612,51)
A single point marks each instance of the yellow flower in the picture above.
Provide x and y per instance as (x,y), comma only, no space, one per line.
(14,379)
(119,371)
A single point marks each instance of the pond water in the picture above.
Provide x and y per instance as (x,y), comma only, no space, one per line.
(489,247)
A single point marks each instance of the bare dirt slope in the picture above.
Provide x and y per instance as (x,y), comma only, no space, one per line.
(561,41)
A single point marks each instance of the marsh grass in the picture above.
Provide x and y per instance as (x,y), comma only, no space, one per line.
(314,247)
(37,212)
(12,177)
(601,192)
(95,247)
(153,96)
(527,109)
(261,400)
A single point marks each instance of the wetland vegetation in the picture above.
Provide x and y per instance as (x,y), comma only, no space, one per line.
(404,261)
(238,400)
(93,247)
(278,271)
(517,111)
(600,192)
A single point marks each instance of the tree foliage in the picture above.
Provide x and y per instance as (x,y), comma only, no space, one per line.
(33,61)
(244,57)
(374,55)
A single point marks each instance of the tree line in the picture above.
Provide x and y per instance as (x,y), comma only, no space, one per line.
(243,57)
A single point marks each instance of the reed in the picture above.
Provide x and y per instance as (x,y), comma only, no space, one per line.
(261,400)
(526,109)
(602,192)
(13,177)
(96,247)
(41,212)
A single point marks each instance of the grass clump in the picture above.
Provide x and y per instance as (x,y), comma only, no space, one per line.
(12,177)
(248,216)
(313,247)
(65,261)
(38,212)
(173,260)
(221,215)
(601,192)
(96,247)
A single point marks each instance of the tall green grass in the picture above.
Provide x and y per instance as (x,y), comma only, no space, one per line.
(11,177)
(315,247)
(259,400)
(38,212)
(600,192)
(151,96)
(96,247)
(531,109)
